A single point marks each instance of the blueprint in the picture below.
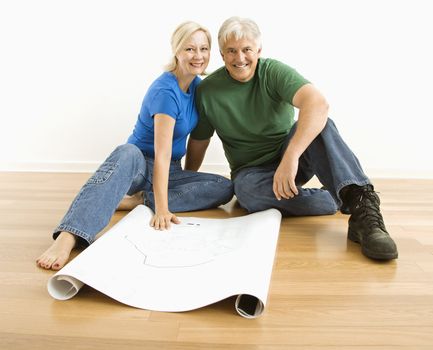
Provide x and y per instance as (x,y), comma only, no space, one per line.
(196,263)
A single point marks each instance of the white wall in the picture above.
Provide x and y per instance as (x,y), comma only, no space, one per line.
(73,74)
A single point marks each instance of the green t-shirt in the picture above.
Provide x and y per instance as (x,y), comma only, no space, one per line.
(252,119)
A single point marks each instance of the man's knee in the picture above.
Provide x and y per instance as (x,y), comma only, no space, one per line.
(330,126)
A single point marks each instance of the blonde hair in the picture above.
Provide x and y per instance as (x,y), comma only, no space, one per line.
(181,34)
(238,28)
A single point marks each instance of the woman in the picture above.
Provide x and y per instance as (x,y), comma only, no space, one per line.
(151,160)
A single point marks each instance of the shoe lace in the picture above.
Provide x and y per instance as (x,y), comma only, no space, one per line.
(365,206)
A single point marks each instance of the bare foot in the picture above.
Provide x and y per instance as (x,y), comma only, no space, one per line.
(56,256)
(130,202)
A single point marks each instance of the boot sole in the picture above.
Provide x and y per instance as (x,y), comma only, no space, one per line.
(372,255)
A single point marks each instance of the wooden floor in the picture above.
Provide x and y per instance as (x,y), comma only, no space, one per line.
(324,294)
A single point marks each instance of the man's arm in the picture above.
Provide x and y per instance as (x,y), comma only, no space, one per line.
(313,114)
(195,153)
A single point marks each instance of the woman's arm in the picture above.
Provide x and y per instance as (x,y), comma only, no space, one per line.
(164,127)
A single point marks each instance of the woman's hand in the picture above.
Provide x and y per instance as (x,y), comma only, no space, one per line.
(162,221)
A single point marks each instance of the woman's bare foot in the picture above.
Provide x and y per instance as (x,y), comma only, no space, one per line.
(130,202)
(56,256)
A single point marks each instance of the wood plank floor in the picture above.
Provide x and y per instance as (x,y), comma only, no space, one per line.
(324,294)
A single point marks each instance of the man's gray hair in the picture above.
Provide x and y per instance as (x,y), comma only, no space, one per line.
(238,28)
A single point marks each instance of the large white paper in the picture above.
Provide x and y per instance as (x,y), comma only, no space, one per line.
(196,263)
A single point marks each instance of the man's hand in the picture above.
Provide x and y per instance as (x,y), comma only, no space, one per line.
(162,221)
(284,179)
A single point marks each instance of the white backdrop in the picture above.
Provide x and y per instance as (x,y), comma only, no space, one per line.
(73,74)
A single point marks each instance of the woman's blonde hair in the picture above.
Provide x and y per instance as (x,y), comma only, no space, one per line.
(181,34)
(238,28)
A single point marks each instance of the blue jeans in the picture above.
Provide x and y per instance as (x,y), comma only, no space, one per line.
(128,171)
(328,157)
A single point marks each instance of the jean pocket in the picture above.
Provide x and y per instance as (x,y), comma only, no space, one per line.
(103,173)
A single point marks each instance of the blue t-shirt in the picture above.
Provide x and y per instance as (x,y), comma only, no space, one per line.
(166,97)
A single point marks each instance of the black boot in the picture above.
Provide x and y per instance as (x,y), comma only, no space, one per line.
(366,224)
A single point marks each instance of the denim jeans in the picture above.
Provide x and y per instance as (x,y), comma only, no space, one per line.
(128,171)
(328,157)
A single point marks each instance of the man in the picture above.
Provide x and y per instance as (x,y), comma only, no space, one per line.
(250,104)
